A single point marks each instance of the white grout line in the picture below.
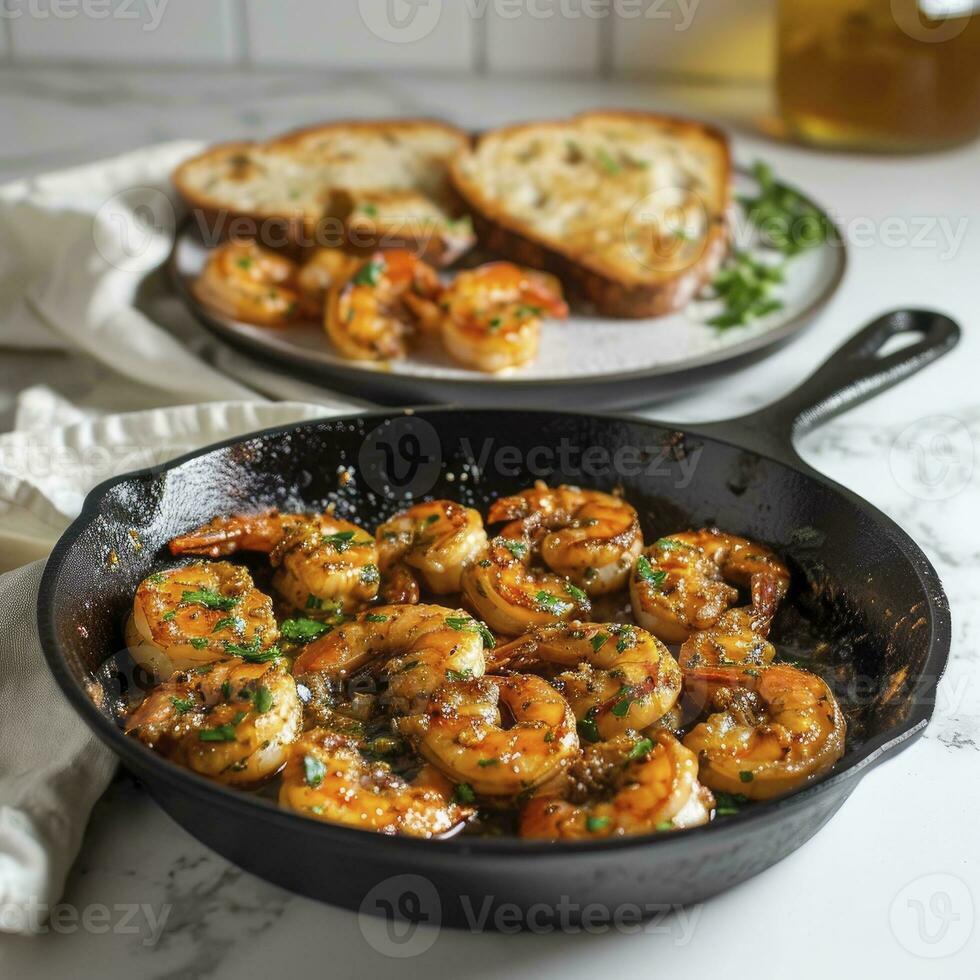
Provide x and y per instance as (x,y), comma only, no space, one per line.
(480,45)
(8,31)
(606,67)
(243,40)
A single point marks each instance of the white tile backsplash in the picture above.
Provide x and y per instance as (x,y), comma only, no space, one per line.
(373,34)
(710,38)
(545,35)
(706,38)
(124,30)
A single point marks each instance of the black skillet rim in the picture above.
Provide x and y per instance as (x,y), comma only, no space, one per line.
(128,749)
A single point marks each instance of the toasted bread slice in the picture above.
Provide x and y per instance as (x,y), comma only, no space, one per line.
(316,186)
(629,209)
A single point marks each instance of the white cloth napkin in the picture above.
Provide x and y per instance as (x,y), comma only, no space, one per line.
(80,289)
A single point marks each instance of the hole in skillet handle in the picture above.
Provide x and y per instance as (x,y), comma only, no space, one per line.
(855,372)
(862,366)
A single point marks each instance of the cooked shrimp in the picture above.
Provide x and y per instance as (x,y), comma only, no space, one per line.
(415,647)
(738,637)
(622,678)
(771,729)
(513,597)
(239,532)
(651,784)
(191,615)
(460,733)
(323,564)
(493,315)
(374,315)
(593,538)
(325,268)
(248,283)
(438,539)
(231,720)
(679,584)
(328,779)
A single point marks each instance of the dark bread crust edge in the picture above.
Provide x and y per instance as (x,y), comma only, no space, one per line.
(297,234)
(610,295)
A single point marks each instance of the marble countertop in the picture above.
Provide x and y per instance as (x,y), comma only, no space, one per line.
(888,887)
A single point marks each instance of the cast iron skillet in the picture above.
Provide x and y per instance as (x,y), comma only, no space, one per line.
(861,585)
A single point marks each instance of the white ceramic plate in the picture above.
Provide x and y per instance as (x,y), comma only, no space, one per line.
(615,362)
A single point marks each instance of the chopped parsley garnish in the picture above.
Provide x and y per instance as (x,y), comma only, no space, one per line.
(608,162)
(370,273)
(627,696)
(727,804)
(587,728)
(517,548)
(252,652)
(526,310)
(210,599)
(302,630)
(552,603)
(665,825)
(340,541)
(460,623)
(199,642)
(786,221)
(432,518)
(595,824)
(599,641)
(313,602)
(262,699)
(182,705)
(647,573)
(745,285)
(314,771)
(640,749)
(745,776)
(484,763)
(375,618)
(168,616)
(371,210)
(671,544)
(464,793)
(576,593)
(459,675)
(226,690)
(626,637)
(222,733)
(229,622)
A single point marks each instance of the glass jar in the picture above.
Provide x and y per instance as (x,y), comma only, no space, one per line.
(880,74)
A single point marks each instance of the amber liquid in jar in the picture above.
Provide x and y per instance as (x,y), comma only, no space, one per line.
(880,74)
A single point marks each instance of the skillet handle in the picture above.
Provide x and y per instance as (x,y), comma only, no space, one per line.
(854,373)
